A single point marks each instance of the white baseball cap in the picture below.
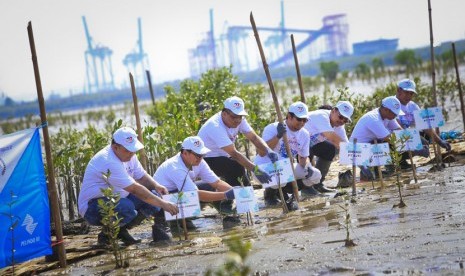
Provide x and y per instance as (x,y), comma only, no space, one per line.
(195,144)
(299,109)
(346,109)
(407,85)
(127,137)
(236,105)
(393,104)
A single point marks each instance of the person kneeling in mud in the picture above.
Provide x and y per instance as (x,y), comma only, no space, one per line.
(298,138)
(187,171)
(117,166)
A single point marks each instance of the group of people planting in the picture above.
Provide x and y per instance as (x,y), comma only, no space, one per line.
(211,164)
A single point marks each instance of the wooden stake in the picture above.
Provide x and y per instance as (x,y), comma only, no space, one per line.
(297,69)
(459,84)
(276,103)
(143,157)
(51,186)
(354,170)
(380,173)
(414,170)
(149,80)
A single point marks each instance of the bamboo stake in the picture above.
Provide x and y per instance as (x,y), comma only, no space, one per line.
(51,186)
(437,149)
(297,69)
(276,103)
(143,157)
(380,173)
(459,84)
(414,169)
(149,80)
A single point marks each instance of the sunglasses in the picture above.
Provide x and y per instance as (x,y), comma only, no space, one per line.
(299,119)
(234,116)
(342,118)
(199,156)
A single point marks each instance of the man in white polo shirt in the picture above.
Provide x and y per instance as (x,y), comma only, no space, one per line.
(187,171)
(377,124)
(326,128)
(219,134)
(298,139)
(117,166)
(406,89)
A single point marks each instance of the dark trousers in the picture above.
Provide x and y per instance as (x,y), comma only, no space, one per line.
(324,150)
(229,170)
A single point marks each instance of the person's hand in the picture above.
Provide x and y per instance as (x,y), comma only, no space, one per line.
(169,207)
(273,156)
(229,194)
(161,190)
(281,128)
(444,144)
(424,152)
(309,172)
(261,175)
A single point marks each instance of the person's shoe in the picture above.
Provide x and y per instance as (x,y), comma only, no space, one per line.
(230,221)
(189,225)
(344,179)
(309,192)
(291,204)
(159,234)
(224,207)
(126,238)
(270,196)
(322,189)
(404,165)
(102,239)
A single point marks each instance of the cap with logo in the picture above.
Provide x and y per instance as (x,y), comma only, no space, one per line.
(127,137)
(393,104)
(407,85)
(195,144)
(346,109)
(299,109)
(236,105)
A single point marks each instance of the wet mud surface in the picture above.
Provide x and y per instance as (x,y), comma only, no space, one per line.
(425,237)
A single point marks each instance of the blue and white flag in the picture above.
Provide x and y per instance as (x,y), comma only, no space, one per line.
(24,204)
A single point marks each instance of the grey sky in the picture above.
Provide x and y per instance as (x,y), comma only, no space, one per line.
(171,27)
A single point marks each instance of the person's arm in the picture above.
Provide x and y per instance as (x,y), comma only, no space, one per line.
(145,195)
(262,148)
(148,182)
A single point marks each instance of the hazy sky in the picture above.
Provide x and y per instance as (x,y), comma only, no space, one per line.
(171,27)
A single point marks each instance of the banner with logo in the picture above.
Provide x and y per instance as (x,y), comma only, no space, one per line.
(354,154)
(428,118)
(187,202)
(24,204)
(281,172)
(408,140)
(245,200)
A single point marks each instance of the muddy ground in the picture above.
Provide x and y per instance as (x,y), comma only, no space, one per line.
(425,237)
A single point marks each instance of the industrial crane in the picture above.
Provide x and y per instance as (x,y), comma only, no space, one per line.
(99,71)
(137,62)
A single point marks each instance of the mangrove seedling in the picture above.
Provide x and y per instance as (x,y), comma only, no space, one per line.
(396,158)
(348,242)
(235,259)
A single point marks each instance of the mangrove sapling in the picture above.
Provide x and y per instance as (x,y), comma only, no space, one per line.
(396,158)
(348,242)
(235,259)
(14,219)
(110,222)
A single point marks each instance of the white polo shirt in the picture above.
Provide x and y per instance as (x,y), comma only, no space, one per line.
(371,127)
(298,142)
(319,122)
(122,175)
(173,171)
(216,135)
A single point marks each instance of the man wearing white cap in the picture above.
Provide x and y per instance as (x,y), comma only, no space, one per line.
(406,89)
(298,139)
(326,128)
(187,171)
(219,134)
(117,166)
(377,124)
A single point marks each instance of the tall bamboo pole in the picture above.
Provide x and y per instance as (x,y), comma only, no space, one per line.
(437,149)
(297,69)
(51,186)
(149,80)
(459,84)
(143,159)
(276,102)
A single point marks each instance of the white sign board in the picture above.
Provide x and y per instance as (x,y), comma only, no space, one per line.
(428,118)
(245,200)
(412,140)
(282,169)
(354,154)
(188,204)
(379,155)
